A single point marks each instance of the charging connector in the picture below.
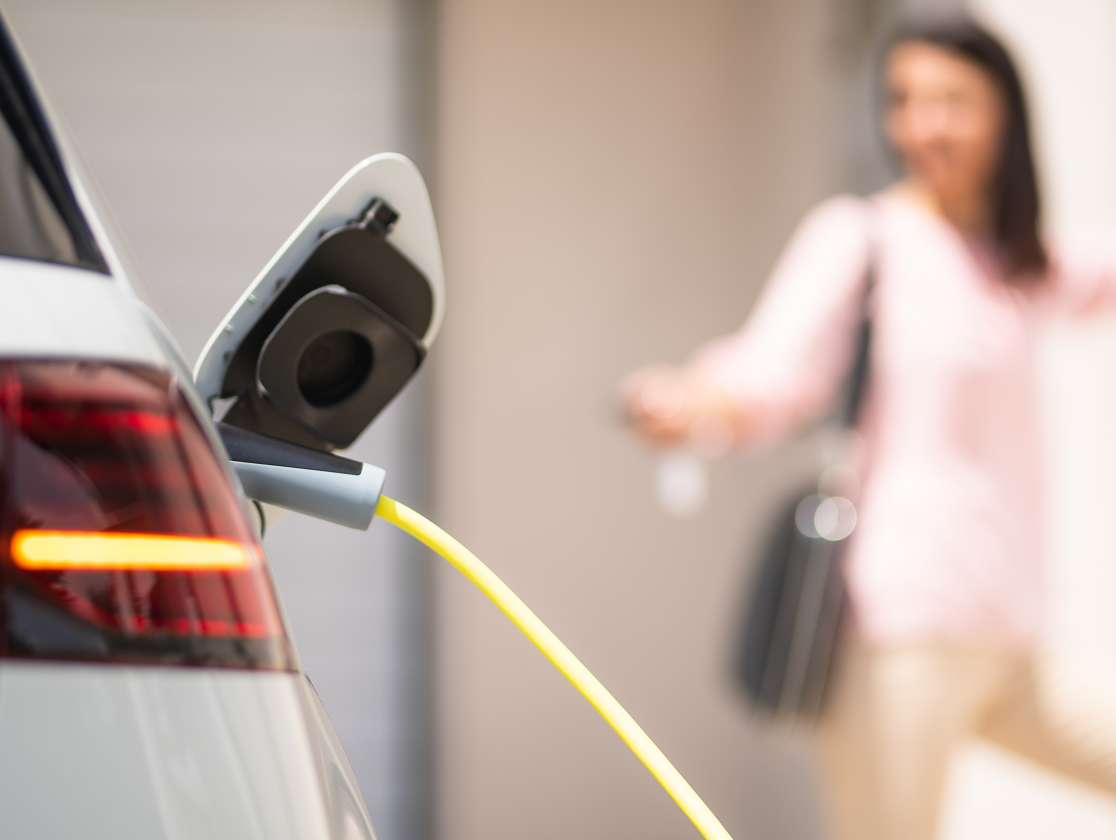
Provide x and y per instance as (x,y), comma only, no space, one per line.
(305,480)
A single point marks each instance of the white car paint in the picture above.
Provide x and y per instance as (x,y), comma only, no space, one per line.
(55,311)
(150,751)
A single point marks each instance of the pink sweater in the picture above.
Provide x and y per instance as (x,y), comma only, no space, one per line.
(950,535)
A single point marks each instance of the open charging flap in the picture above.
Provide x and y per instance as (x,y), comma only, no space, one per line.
(339,320)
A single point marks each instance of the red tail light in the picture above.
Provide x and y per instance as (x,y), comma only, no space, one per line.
(120,536)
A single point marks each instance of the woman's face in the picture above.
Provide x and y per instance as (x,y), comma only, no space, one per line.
(945,116)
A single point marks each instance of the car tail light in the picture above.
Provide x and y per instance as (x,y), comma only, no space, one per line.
(121,537)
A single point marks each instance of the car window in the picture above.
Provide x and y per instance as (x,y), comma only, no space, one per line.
(30,225)
(40,218)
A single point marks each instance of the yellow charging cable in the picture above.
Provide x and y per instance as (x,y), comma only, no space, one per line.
(590,687)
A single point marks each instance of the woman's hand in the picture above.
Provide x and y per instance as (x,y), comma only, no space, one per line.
(674,405)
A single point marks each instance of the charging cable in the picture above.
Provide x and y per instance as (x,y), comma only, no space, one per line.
(279,472)
(552,648)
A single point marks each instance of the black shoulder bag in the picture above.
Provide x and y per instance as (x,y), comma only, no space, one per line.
(787,639)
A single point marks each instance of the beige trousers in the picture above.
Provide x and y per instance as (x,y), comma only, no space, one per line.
(895,716)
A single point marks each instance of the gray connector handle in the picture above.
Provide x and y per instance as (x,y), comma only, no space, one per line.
(278,472)
(348,500)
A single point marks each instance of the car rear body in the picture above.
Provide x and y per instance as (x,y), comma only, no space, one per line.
(149,686)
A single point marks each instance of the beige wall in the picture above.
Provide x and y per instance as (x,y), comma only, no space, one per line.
(614,180)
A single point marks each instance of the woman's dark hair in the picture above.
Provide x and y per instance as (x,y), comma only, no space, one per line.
(1015,197)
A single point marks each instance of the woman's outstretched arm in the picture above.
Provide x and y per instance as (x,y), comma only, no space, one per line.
(788,361)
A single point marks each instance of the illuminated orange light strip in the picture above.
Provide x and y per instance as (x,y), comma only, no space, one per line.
(91,550)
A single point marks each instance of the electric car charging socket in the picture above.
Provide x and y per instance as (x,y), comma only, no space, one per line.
(327,335)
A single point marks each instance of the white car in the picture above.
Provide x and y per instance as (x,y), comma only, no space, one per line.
(149,686)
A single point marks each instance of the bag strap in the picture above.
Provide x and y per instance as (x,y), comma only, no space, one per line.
(858,374)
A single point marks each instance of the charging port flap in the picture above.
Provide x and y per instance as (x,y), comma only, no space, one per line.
(340,319)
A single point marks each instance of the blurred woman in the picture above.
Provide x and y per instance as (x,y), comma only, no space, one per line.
(944,570)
